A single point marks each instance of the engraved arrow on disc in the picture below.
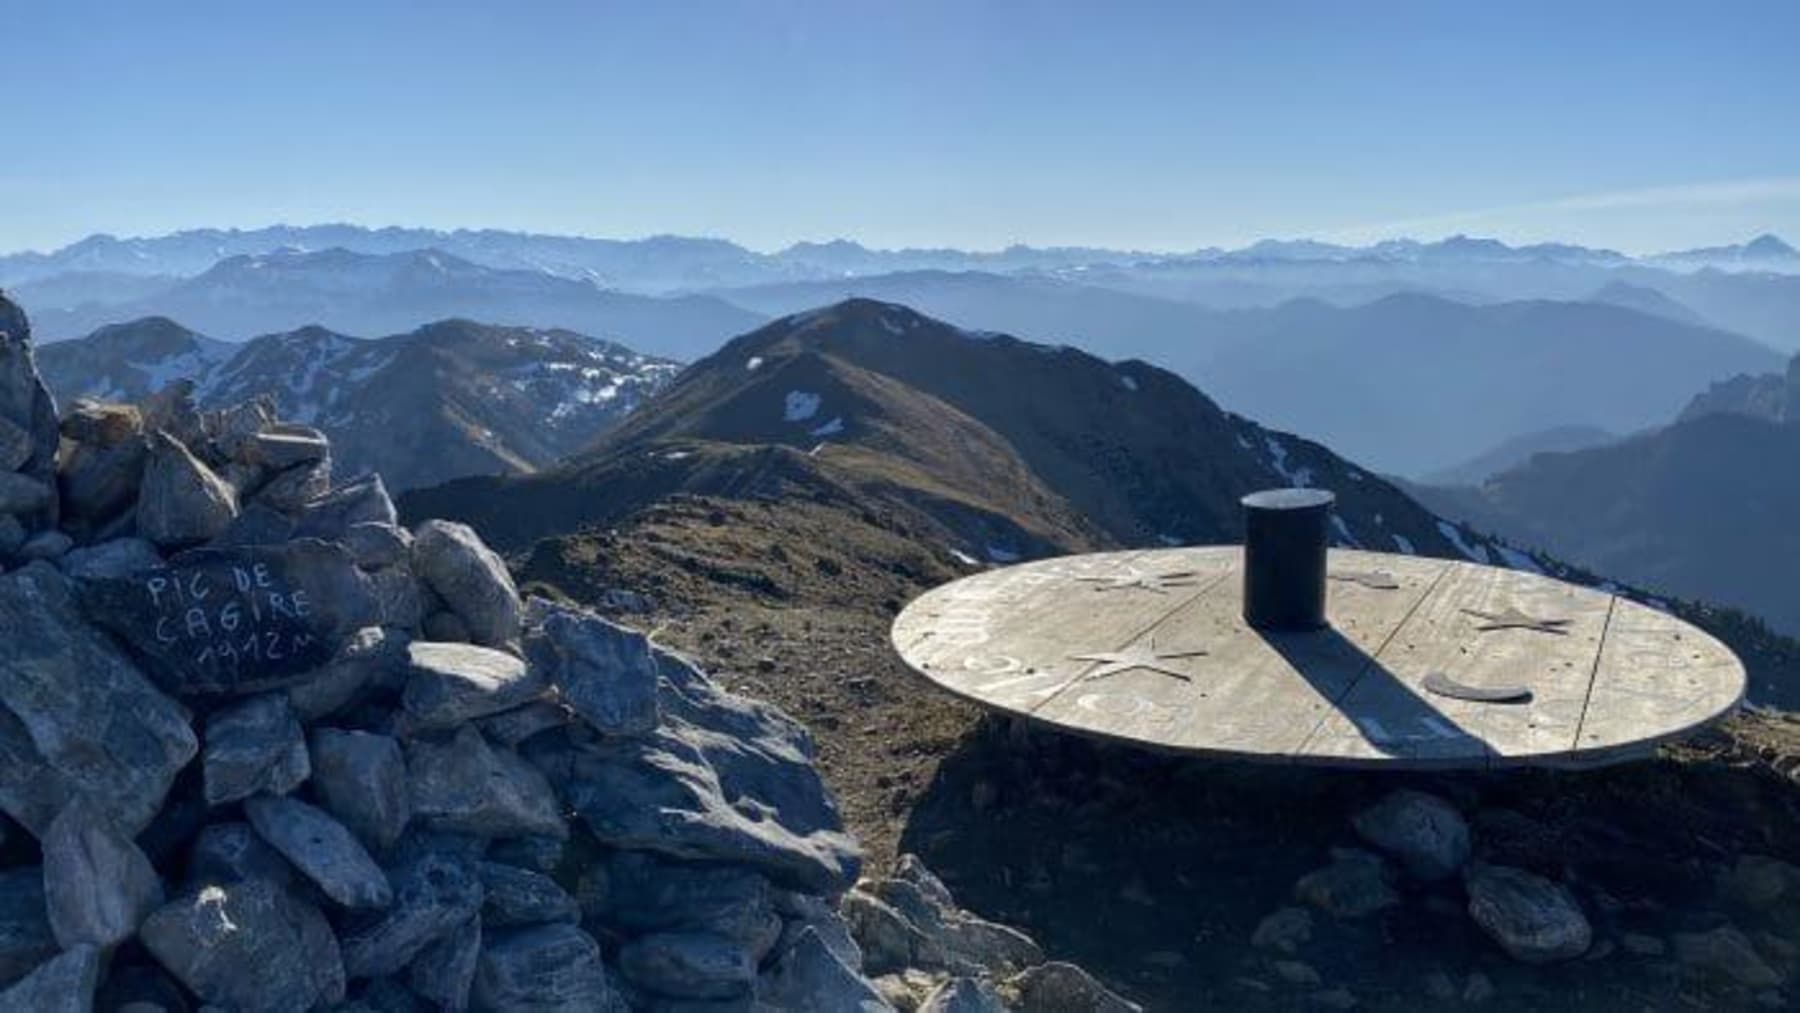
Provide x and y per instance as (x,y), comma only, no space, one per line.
(1513,619)
(1158,582)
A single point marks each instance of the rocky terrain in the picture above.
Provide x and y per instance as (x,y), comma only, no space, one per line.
(267,750)
(449,399)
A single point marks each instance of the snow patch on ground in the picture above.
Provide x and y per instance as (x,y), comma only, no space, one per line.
(678,455)
(964,558)
(1354,475)
(1169,540)
(891,327)
(800,406)
(1401,543)
(1516,560)
(1299,478)
(1001,554)
(1477,553)
(832,428)
(1344,532)
(1129,382)
(754,364)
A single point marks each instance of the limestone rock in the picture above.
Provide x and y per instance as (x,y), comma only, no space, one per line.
(968,944)
(722,779)
(119,557)
(810,977)
(97,885)
(1423,832)
(1355,884)
(452,683)
(471,578)
(1727,953)
(254,746)
(25,937)
(24,400)
(248,946)
(377,544)
(434,894)
(360,777)
(688,965)
(45,545)
(283,445)
(234,852)
(100,482)
(644,894)
(15,445)
(78,718)
(101,423)
(1056,986)
(549,967)
(181,501)
(174,411)
(890,942)
(64,984)
(515,896)
(331,515)
(372,659)
(466,786)
(290,491)
(963,995)
(22,494)
(444,972)
(1286,929)
(603,671)
(12,535)
(323,849)
(1532,918)
(239,620)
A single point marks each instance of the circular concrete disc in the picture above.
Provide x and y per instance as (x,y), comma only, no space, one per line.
(1427,662)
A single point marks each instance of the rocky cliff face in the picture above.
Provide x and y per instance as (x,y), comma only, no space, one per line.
(267,750)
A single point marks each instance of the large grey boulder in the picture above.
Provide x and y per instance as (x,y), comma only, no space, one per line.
(284,445)
(25,937)
(722,779)
(603,671)
(444,972)
(98,886)
(64,984)
(810,978)
(181,501)
(22,494)
(372,659)
(24,400)
(252,747)
(15,445)
(464,785)
(330,515)
(515,897)
(642,894)
(78,720)
(360,777)
(453,683)
(1057,987)
(233,852)
(546,968)
(119,557)
(688,965)
(435,892)
(1424,833)
(99,483)
(323,849)
(890,942)
(470,577)
(1354,885)
(1532,918)
(238,620)
(248,946)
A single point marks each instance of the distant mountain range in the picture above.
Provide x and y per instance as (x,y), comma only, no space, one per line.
(1517,450)
(450,399)
(1704,508)
(990,447)
(373,294)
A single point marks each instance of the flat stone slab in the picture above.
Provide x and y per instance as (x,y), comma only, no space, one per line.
(1426,663)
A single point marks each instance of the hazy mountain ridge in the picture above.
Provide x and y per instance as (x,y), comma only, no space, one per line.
(449,399)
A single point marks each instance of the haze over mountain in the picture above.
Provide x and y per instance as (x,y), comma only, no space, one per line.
(449,399)
(370,294)
(1703,508)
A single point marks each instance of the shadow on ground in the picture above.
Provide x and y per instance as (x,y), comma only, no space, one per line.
(1154,872)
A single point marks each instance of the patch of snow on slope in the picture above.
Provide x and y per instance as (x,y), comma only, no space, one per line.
(1405,546)
(891,327)
(754,364)
(832,428)
(1169,540)
(1299,478)
(1344,533)
(1129,382)
(1516,560)
(964,558)
(1000,554)
(1354,475)
(1477,553)
(801,405)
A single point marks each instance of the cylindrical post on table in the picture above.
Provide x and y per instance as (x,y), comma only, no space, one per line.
(1285,535)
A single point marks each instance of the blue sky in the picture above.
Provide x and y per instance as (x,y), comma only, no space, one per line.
(1639,125)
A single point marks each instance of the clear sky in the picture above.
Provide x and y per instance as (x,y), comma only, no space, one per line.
(1640,125)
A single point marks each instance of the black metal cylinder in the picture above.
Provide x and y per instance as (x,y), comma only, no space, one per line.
(1285,534)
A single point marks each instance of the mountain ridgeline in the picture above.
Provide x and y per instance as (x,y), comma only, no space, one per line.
(449,399)
(989,447)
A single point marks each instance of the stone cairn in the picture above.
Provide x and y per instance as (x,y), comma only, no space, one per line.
(262,748)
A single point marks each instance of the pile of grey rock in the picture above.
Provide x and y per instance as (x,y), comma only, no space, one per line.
(262,748)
